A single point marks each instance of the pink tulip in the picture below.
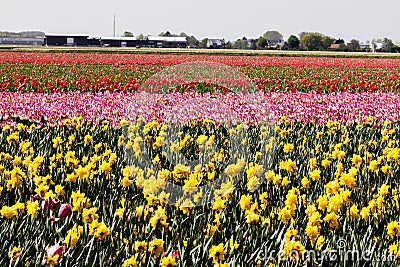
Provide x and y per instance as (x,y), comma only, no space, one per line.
(181,108)
(34,198)
(53,219)
(64,211)
(55,250)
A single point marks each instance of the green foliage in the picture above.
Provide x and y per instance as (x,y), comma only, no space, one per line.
(262,43)
(23,34)
(241,44)
(140,36)
(203,43)
(327,41)
(388,45)
(293,42)
(354,45)
(315,41)
(127,34)
(192,41)
(273,35)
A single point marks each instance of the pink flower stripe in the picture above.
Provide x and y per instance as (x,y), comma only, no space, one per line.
(181,108)
(169,59)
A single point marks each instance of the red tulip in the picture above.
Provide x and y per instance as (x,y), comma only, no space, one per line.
(175,254)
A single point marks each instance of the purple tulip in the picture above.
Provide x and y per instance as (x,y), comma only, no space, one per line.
(64,211)
(50,204)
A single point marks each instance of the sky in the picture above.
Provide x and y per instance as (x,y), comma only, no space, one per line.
(346,19)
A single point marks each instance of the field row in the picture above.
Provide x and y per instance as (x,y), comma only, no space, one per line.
(198,160)
(98,195)
(171,59)
(42,72)
(182,108)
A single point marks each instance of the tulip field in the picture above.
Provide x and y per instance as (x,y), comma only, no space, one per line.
(133,160)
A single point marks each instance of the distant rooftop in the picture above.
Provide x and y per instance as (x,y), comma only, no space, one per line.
(166,39)
(119,38)
(67,34)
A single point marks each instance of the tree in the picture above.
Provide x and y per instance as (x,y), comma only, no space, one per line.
(302,34)
(241,44)
(192,41)
(228,45)
(165,34)
(273,36)
(293,42)
(182,34)
(262,43)
(252,44)
(140,36)
(388,45)
(23,34)
(311,41)
(203,43)
(315,41)
(354,45)
(327,41)
(376,44)
(127,34)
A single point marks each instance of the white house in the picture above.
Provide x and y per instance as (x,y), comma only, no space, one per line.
(215,43)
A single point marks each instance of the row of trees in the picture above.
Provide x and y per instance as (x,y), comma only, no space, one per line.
(387,45)
(311,41)
(244,43)
(23,34)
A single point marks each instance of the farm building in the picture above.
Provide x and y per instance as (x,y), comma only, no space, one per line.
(166,42)
(365,46)
(61,39)
(338,44)
(216,43)
(118,41)
(94,41)
(85,40)
(277,44)
(21,41)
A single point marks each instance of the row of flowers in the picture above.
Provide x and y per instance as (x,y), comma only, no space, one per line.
(200,194)
(182,108)
(173,59)
(47,72)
